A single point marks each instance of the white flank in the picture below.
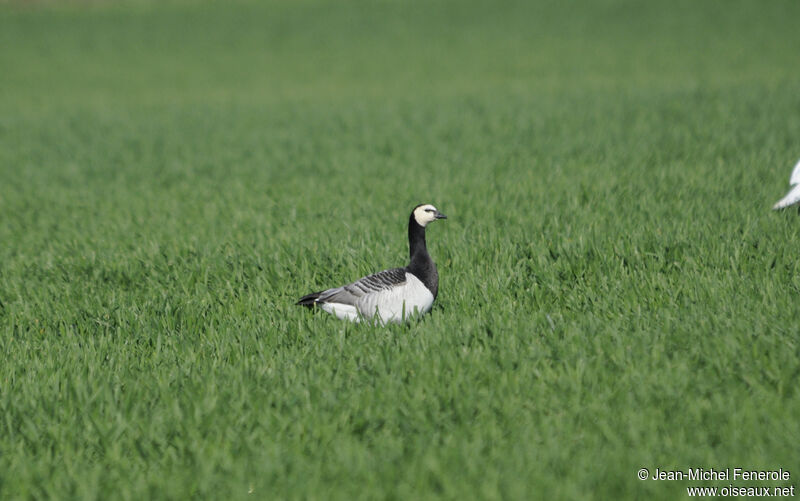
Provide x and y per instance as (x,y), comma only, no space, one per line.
(390,305)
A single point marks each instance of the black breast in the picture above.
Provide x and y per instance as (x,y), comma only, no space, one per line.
(425,271)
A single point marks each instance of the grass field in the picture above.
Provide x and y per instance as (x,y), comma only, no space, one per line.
(615,291)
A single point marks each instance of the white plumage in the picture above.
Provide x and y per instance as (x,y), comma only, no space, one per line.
(393,304)
(793,196)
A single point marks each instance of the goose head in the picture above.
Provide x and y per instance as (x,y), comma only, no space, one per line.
(426,213)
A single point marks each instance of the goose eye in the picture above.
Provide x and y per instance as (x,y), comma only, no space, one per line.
(428,210)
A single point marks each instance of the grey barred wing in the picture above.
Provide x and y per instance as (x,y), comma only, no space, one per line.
(351,293)
(377,282)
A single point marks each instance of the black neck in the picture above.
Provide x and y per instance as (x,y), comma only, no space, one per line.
(421,265)
(416,240)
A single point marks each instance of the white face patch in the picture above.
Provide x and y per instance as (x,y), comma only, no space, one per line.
(424,214)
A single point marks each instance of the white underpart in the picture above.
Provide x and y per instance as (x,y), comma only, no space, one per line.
(344,311)
(390,305)
(793,196)
(424,214)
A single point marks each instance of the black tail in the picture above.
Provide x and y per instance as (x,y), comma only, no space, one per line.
(309,300)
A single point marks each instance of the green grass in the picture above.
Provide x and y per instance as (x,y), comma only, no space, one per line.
(615,292)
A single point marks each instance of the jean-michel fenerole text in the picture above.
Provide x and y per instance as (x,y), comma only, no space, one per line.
(729,474)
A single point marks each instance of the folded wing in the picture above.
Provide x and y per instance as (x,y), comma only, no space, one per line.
(352,293)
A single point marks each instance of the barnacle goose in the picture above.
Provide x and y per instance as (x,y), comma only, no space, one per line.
(793,196)
(390,295)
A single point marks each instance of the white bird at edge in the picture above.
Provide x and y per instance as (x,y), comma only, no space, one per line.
(793,196)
